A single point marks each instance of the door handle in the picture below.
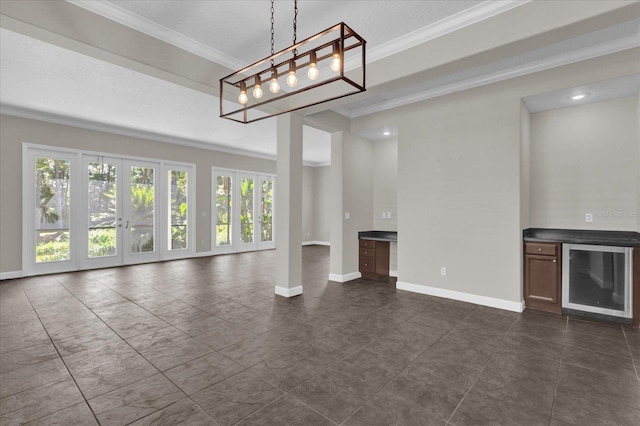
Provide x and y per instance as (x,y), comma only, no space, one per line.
(127,225)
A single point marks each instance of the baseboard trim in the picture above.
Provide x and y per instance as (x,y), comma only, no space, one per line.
(288,292)
(393,273)
(344,278)
(10,275)
(492,302)
(316,243)
(203,254)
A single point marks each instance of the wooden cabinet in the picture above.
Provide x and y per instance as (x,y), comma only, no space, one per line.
(543,276)
(374,259)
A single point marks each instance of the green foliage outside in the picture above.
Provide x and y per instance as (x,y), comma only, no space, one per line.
(52,203)
(178,186)
(223,210)
(266,214)
(246,210)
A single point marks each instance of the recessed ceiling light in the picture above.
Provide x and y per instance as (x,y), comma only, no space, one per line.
(578,96)
(386,133)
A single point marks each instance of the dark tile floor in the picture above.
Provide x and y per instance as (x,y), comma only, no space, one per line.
(205,341)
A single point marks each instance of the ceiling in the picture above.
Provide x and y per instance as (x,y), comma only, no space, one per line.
(44,80)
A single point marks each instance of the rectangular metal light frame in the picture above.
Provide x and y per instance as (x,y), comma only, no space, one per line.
(346,39)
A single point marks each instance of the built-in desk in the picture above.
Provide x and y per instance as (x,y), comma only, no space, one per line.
(374,253)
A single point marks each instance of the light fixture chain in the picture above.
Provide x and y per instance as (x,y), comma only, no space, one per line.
(295,25)
(272,31)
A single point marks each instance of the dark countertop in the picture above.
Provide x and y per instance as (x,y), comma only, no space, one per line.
(579,236)
(378,235)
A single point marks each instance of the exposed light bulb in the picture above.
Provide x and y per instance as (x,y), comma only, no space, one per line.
(313,72)
(243,98)
(578,96)
(257,91)
(274,86)
(386,133)
(335,63)
(292,80)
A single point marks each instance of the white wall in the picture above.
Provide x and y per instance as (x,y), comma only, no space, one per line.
(351,180)
(385,191)
(459,193)
(315,204)
(584,159)
(308,211)
(322,204)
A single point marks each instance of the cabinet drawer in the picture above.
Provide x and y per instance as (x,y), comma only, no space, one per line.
(547,249)
(367,244)
(367,264)
(367,252)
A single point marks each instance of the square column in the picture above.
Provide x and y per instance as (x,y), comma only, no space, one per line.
(289,206)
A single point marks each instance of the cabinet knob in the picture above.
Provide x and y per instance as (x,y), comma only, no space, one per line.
(539,249)
(554,261)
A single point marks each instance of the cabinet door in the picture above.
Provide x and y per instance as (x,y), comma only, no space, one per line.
(542,282)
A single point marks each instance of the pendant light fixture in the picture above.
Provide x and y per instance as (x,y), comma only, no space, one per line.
(304,74)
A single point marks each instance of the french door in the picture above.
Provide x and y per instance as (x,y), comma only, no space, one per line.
(85,211)
(244,211)
(121,212)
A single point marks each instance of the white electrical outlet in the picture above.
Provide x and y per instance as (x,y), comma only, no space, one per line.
(347,215)
(443,271)
(384,216)
(388,215)
(588,217)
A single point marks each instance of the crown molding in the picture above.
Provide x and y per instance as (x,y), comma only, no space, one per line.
(139,23)
(578,55)
(454,22)
(470,16)
(49,117)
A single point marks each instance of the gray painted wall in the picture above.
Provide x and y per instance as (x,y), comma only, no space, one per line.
(459,179)
(308,216)
(385,191)
(584,159)
(315,204)
(352,192)
(322,204)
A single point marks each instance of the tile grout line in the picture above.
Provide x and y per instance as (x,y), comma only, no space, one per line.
(633,361)
(58,282)
(555,390)
(123,340)
(411,362)
(86,401)
(449,422)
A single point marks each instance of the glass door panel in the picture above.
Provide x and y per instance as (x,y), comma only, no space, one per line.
(140,212)
(247,214)
(244,211)
(223,212)
(52,206)
(178,195)
(265,222)
(103,206)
